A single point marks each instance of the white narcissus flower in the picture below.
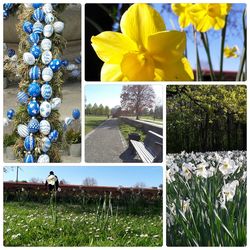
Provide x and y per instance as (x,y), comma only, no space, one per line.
(51,180)
(201,170)
(170,176)
(227,166)
(228,192)
(185,205)
(187,169)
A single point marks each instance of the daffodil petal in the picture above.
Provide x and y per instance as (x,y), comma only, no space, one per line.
(141,21)
(167,47)
(111,46)
(138,67)
(111,73)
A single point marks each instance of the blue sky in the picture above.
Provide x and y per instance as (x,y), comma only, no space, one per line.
(234,36)
(109,94)
(126,176)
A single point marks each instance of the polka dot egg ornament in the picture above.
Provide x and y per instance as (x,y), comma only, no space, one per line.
(35,51)
(34,89)
(45,109)
(33,108)
(44,158)
(33,126)
(55,65)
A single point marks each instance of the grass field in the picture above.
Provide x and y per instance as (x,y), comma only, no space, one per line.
(151,119)
(31,224)
(92,122)
(127,129)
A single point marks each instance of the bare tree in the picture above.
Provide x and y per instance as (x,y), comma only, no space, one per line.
(36,180)
(89,181)
(140,185)
(63,182)
(135,98)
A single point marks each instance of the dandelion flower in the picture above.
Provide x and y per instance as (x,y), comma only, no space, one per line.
(231,52)
(182,10)
(144,50)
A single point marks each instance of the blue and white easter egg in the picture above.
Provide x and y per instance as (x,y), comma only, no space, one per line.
(35,51)
(28,5)
(29,143)
(49,18)
(55,103)
(53,136)
(33,125)
(55,65)
(46,57)
(78,59)
(35,73)
(33,38)
(22,130)
(22,97)
(45,109)
(38,27)
(37,5)
(75,73)
(45,144)
(65,63)
(76,114)
(33,108)
(5,14)
(28,58)
(48,30)
(14,58)
(46,91)
(46,44)
(34,89)
(58,26)
(29,158)
(68,121)
(44,158)
(44,127)
(11,52)
(47,74)
(47,8)
(10,114)
(38,15)
(71,67)
(7,6)
(5,122)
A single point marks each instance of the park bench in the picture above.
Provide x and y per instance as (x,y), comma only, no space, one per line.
(150,150)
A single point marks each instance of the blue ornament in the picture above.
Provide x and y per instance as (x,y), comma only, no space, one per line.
(33,108)
(27,27)
(55,65)
(46,91)
(33,38)
(29,158)
(33,125)
(37,5)
(22,97)
(38,27)
(38,15)
(76,114)
(35,73)
(53,136)
(45,144)
(10,114)
(7,6)
(34,89)
(75,73)
(11,52)
(78,60)
(65,63)
(5,14)
(35,51)
(29,143)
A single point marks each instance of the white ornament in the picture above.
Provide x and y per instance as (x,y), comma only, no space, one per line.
(46,44)
(28,5)
(68,120)
(44,127)
(46,57)
(44,158)
(28,58)
(22,130)
(5,47)
(49,18)
(48,30)
(55,103)
(13,58)
(5,122)
(71,67)
(47,74)
(47,8)
(45,109)
(58,26)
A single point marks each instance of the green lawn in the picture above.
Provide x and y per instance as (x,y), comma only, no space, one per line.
(31,224)
(92,122)
(151,119)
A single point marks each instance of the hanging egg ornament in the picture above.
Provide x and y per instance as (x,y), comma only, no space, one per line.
(48,30)
(22,97)
(49,18)
(78,60)
(46,91)
(7,6)
(35,51)
(10,114)
(5,122)
(55,103)
(55,65)
(44,127)
(38,27)
(34,89)
(47,8)
(47,74)
(53,136)
(33,108)
(11,52)
(75,73)
(46,44)
(29,143)
(38,15)
(22,130)
(29,158)
(76,114)
(28,58)
(33,38)
(14,58)
(33,125)
(46,57)
(28,5)
(65,63)
(35,73)
(58,26)
(45,144)
(5,14)
(68,121)
(37,5)
(45,109)
(44,158)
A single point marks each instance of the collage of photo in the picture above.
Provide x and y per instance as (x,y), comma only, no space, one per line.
(124,124)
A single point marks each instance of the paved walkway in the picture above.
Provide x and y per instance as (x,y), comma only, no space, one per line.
(105,143)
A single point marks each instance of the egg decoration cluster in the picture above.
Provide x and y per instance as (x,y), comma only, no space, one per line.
(38,98)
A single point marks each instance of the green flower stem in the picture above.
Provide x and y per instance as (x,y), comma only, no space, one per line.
(204,39)
(223,36)
(198,64)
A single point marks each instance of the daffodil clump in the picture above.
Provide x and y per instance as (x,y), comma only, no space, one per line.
(144,50)
(206,199)
(231,52)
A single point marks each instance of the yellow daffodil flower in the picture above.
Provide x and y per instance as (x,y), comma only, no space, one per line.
(231,52)
(206,16)
(182,10)
(144,50)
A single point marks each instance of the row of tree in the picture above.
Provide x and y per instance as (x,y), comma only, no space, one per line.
(97,110)
(206,118)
